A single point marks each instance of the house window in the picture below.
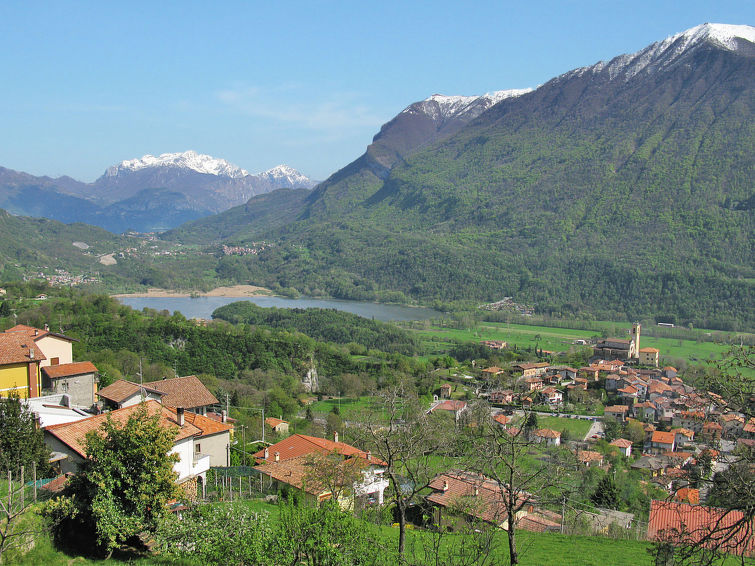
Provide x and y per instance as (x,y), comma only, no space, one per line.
(54,361)
(197,448)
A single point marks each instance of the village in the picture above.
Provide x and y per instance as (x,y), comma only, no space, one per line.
(671,435)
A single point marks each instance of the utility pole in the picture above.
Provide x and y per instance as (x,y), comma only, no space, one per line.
(141,381)
(263,423)
(243,447)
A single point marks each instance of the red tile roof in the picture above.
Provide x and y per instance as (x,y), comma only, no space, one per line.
(621,443)
(301,445)
(37,333)
(207,425)
(502,419)
(660,437)
(588,456)
(15,349)
(67,370)
(184,392)
(74,434)
(273,422)
(688,495)
(120,390)
(547,433)
(298,473)
(700,525)
(450,405)
(616,409)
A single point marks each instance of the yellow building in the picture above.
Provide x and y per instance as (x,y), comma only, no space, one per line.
(649,356)
(20,359)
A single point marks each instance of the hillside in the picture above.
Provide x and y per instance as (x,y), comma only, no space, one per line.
(623,189)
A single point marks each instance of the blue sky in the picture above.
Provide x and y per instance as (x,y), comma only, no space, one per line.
(88,84)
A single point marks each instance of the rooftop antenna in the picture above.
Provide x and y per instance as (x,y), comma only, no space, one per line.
(141,381)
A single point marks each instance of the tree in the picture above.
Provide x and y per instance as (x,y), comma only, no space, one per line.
(502,456)
(124,483)
(16,529)
(605,495)
(612,430)
(21,443)
(333,473)
(398,430)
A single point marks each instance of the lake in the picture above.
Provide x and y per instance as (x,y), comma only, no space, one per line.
(202,307)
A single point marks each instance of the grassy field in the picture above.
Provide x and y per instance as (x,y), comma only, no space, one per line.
(347,406)
(438,340)
(577,427)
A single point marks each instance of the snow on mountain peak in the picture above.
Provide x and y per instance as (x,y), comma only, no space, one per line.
(186,160)
(288,173)
(443,107)
(663,53)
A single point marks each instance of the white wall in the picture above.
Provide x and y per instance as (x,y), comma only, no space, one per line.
(53,347)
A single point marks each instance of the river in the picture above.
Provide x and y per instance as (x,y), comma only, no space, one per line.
(202,307)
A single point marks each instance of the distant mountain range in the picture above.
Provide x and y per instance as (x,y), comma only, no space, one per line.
(624,188)
(146,194)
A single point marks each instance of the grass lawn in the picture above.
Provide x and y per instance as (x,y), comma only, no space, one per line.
(439,340)
(346,405)
(577,427)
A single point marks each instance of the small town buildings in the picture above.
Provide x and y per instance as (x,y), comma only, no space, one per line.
(185,392)
(491,372)
(452,406)
(547,436)
(682,523)
(552,396)
(624,446)
(54,409)
(589,458)
(278,425)
(77,379)
(662,442)
(20,360)
(68,440)
(502,396)
(645,411)
(214,439)
(122,393)
(460,496)
(616,412)
(533,383)
(445,391)
(494,344)
(532,369)
(691,420)
(502,419)
(649,356)
(711,431)
(57,348)
(287,463)
(682,436)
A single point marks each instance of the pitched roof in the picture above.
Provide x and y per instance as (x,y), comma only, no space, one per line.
(700,525)
(37,333)
(298,473)
(502,419)
(621,443)
(300,445)
(184,392)
(587,456)
(273,422)
(649,350)
(547,433)
(663,437)
(120,390)
(15,349)
(450,405)
(616,409)
(208,426)
(74,434)
(67,370)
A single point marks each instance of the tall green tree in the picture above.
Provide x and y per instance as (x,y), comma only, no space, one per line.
(21,443)
(606,495)
(122,487)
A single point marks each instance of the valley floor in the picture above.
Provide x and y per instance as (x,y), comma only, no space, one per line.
(233,291)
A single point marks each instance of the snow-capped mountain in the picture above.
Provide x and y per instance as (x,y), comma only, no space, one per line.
(284,176)
(672,50)
(441,108)
(198,162)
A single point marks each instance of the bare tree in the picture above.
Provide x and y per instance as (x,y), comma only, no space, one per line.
(15,529)
(334,473)
(398,430)
(502,455)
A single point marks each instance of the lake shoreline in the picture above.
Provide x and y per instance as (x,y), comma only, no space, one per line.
(240,291)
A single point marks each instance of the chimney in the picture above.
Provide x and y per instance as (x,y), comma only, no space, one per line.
(47,327)
(267,453)
(223,416)
(65,400)
(335,436)
(277,456)
(445,485)
(31,353)
(180,416)
(369,455)
(36,332)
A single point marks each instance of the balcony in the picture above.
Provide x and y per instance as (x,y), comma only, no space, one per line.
(200,464)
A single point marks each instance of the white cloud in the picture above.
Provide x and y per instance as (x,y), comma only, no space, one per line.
(295,105)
